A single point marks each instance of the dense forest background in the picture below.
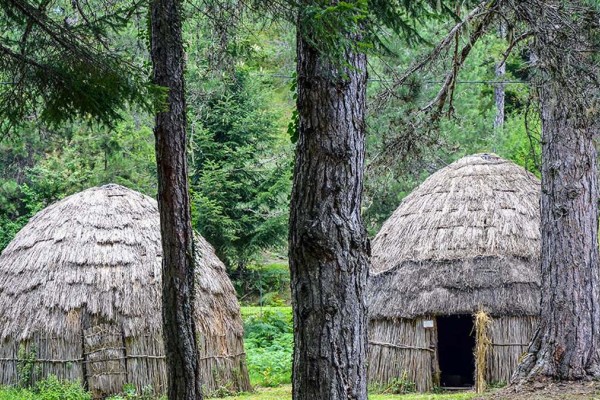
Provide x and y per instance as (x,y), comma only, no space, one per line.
(79,111)
(241,118)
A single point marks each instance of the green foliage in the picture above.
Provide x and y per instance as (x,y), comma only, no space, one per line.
(26,366)
(364,26)
(292,129)
(520,145)
(268,341)
(266,285)
(284,392)
(496,385)
(54,389)
(50,388)
(57,65)
(334,29)
(240,172)
(407,18)
(42,167)
(418,153)
(90,158)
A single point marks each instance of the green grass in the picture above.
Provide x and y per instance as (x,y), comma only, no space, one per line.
(423,396)
(285,393)
(249,311)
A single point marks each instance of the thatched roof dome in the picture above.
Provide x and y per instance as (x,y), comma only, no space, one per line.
(469,236)
(97,255)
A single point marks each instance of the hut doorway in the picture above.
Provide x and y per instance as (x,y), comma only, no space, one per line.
(456,342)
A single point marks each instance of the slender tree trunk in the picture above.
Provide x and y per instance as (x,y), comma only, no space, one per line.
(179,331)
(328,243)
(566,344)
(499,93)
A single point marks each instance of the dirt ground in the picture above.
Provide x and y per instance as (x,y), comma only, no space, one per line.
(547,391)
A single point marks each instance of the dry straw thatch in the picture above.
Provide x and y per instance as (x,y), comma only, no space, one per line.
(483,341)
(81,286)
(465,240)
(468,236)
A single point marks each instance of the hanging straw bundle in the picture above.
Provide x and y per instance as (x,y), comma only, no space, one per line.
(482,344)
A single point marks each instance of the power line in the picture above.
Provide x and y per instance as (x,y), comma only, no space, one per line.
(504,82)
(475,82)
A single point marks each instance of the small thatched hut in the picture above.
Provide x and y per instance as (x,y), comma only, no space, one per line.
(465,240)
(80,293)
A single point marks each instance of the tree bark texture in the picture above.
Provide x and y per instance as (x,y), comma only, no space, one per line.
(328,245)
(566,345)
(499,93)
(179,331)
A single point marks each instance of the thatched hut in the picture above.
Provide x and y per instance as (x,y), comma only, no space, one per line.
(80,295)
(467,239)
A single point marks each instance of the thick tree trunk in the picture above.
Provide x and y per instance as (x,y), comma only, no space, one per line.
(566,345)
(173,202)
(328,242)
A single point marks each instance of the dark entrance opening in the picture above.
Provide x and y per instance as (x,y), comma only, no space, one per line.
(456,342)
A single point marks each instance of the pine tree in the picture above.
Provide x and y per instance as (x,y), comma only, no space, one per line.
(179,330)
(329,256)
(566,345)
(57,65)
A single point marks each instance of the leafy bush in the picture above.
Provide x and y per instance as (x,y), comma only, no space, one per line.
(269,347)
(26,366)
(54,389)
(50,388)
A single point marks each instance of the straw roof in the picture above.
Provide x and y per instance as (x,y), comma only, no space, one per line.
(469,236)
(96,255)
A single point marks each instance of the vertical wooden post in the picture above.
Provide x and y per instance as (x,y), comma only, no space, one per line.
(435,362)
(482,344)
(124,342)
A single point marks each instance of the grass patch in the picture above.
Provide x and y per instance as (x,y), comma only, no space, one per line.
(278,393)
(254,311)
(285,393)
(53,388)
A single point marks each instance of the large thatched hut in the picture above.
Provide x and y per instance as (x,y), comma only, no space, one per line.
(467,239)
(80,297)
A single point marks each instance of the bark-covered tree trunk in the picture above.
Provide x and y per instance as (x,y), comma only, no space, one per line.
(179,331)
(566,345)
(499,94)
(328,242)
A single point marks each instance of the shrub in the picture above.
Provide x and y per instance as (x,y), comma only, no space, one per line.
(269,348)
(26,366)
(50,388)
(54,389)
